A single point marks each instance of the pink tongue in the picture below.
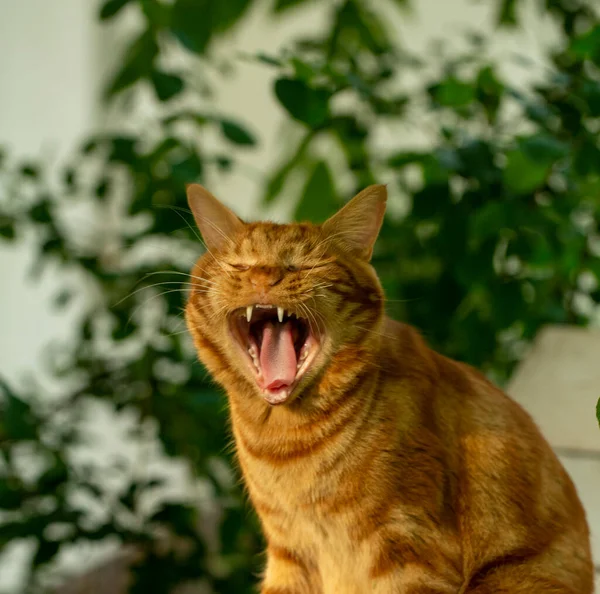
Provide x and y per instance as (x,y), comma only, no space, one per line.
(277,355)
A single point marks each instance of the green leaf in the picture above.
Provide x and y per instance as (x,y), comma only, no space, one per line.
(404,158)
(7,227)
(403,4)
(110,8)
(452,92)
(166,85)
(230,530)
(12,493)
(137,64)
(586,156)
(269,60)
(224,163)
(54,246)
(281,5)
(318,199)
(430,201)
(598,411)
(53,478)
(507,14)
(45,552)
(488,221)
(63,298)
(90,146)
(30,170)
(181,517)
(543,148)
(305,104)
(360,28)
(303,70)
(276,181)
(102,187)
(489,92)
(70,179)
(587,45)
(40,213)
(11,531)
(157,13)
(123,150)
(591,94)
(522,175)
(193,22)
(237,133)
(528,166)
(192,116)
(17,421)
(187,169)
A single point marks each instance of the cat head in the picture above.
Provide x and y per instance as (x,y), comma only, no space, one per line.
(273,304)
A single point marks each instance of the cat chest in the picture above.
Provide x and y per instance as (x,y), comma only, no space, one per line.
(298,517)
(339,563)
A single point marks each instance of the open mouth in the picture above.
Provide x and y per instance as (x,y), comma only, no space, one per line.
(279,347)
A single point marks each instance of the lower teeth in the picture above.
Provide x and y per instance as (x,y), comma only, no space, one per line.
(301,359)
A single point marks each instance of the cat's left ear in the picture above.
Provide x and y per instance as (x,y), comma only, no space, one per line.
(356,226)
(216,222)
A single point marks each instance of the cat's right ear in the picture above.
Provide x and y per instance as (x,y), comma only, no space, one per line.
(217,223)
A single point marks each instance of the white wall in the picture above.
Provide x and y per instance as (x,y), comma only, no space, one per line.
(48,84)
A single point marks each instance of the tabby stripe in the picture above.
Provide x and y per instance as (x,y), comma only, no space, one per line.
(366,418)
(305,449)
(340,291)
(395,553)
(286,555)
(370,520)
(349,272)
(327,413)
(428,590)
(300,451)
(354,493)
(361,293)
(263,508)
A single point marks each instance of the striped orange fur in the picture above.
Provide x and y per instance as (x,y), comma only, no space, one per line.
(378,466)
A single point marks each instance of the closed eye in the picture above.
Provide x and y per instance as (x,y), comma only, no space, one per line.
(292,268)
(240,267)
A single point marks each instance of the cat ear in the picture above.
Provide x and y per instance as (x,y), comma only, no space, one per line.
(356,226)
(216,222)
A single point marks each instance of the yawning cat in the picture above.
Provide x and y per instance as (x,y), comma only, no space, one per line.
(376,465)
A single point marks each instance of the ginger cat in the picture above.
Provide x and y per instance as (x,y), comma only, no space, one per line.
(376,465)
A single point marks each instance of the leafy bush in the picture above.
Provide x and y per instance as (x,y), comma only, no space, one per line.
(492,232)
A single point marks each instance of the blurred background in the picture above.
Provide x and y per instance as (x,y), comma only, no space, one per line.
(483,117)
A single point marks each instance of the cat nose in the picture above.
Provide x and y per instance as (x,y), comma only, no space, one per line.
(266,277)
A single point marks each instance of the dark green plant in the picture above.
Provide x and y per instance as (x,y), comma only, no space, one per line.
(499,236)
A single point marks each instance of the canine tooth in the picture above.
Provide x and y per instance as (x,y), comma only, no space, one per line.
(280,313)
(249,313)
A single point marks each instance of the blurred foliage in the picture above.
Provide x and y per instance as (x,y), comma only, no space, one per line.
(494,232)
